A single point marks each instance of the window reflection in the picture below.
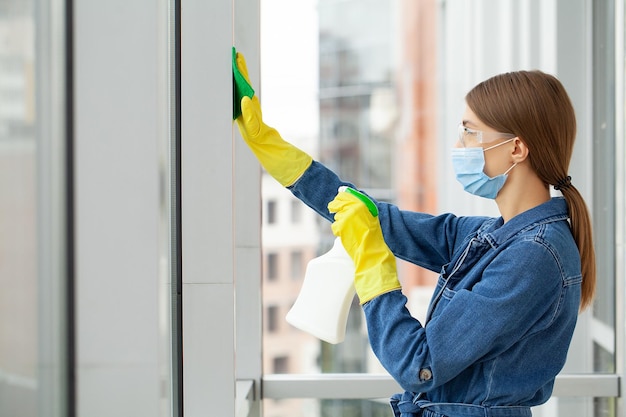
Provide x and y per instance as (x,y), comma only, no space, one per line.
(18,208)
(32,307)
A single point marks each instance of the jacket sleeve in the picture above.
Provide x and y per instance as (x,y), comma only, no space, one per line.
(512,301)
(317,187)
(425,240)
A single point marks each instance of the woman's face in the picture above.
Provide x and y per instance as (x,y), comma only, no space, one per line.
(478,134)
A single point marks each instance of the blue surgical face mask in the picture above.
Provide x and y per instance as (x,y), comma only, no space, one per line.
(469,165)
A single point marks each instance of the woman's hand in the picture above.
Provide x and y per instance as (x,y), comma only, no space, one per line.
(356,223)
(281,160)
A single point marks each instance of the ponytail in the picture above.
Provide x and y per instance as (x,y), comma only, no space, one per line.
(580,222)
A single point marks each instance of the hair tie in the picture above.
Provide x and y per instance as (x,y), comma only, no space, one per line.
(564,183)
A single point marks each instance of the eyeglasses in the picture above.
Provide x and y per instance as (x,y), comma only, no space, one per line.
(471,137)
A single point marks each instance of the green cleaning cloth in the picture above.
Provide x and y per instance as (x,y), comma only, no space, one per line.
(241,87)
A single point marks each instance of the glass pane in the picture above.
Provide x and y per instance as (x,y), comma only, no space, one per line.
(604,185)
(32,216)
(346,85)
(380,87)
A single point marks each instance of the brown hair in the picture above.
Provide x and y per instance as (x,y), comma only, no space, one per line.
(536,108)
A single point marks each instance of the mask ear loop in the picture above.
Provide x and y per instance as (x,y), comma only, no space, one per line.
(499,144)
(495,146)
(512,166)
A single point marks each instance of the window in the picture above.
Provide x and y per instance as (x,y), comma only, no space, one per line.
(272,319)
(296,211)
(281,365)
(297,267)
(271,212)
(34,243)
(272,267)
(385,124)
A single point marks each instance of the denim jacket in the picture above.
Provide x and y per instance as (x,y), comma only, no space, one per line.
(502,314)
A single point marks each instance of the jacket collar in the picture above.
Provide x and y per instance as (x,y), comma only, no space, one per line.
(496,232)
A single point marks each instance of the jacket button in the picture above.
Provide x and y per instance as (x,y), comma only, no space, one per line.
(426,374)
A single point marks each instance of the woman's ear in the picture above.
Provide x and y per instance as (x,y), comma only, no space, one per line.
(520,152)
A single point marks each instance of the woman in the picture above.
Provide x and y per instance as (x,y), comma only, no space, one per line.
(510,288)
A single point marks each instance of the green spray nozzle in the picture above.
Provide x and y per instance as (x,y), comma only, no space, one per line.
(365,199)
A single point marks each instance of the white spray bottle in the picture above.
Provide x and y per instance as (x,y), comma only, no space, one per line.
(322,306)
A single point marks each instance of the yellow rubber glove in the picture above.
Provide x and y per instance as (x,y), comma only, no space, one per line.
(356,222)
(281,160)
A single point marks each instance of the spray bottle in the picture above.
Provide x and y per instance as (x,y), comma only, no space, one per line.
(322,306)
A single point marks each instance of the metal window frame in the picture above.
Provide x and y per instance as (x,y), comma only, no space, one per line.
(620,197)
(56,380)
(364,386)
